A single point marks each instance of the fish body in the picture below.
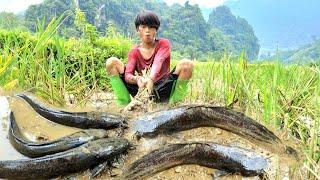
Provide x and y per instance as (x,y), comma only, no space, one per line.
(38,149)
(189,117)
(208,154)
(71,161)
(84,120)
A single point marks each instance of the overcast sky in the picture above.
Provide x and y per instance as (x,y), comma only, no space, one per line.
(16,6)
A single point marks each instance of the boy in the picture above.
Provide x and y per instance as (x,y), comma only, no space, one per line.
(154,55)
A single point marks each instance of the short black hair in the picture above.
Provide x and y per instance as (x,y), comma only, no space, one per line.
(148,18)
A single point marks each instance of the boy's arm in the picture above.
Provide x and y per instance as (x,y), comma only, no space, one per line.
(130,68)
(162,54)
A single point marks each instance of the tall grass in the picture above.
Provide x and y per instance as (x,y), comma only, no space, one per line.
(283,97)
(53,67)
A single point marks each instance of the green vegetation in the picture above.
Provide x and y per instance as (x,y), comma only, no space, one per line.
(54,67)
(11,21)
(233,33)
(191,36)
(309,53)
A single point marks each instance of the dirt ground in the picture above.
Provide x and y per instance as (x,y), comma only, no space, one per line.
(35,126)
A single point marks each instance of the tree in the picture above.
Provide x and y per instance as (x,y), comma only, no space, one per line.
(10,21)
(184,26)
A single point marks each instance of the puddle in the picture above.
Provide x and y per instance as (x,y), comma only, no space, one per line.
(7,152)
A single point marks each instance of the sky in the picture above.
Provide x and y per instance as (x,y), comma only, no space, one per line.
(16,6)
(285,24)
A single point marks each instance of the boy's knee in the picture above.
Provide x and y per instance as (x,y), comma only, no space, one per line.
(114,66)
(186,65)
(112,62)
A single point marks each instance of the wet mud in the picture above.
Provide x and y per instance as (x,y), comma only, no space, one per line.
(36,128)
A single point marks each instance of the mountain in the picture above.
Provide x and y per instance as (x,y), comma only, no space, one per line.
(309,53)
(236,28)
(285,24)
(306,54)
(190,34)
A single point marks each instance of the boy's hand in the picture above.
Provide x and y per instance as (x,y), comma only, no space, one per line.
(141,83)
(145,83)
(149,86)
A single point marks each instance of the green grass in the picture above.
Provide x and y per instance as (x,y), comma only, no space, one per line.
(53,67)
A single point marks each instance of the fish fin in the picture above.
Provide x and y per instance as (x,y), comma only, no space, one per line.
(95,171)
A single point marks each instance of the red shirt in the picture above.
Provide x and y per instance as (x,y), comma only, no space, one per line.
(159,61)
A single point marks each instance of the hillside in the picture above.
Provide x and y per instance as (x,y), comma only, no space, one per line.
(309,53)
(190,34)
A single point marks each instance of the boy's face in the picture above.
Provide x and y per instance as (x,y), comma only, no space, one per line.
(147,34)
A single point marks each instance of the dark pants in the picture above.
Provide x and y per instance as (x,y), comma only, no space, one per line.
(162,88)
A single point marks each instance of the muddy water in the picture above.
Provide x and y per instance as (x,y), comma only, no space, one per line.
(35,127)
(7,152)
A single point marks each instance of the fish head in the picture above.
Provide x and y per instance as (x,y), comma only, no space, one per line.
(108,117)
(112,146)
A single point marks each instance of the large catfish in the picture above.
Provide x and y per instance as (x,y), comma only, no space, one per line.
(42,148)
(63,163)
(84,120)
(208,154)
